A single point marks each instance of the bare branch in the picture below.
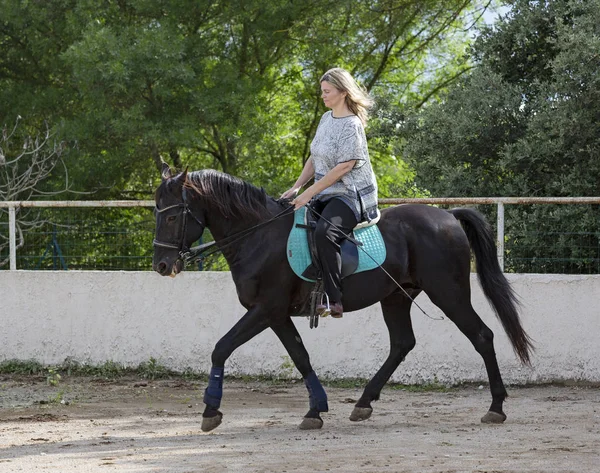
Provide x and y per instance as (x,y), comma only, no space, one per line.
(442,84)
(25,164)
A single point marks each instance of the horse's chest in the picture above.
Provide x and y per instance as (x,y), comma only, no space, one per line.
(247,287)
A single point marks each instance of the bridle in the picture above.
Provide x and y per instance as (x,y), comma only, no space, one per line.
(185,211)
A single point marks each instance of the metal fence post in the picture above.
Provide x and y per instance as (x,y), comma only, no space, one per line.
(500,232)
(12,238)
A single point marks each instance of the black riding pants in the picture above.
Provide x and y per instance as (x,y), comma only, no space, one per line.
(328,239)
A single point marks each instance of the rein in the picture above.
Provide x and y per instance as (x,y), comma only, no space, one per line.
(198,253)
(360,246)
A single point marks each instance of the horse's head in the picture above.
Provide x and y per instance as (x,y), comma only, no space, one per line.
(176,227)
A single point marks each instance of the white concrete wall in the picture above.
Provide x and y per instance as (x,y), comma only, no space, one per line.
(128,317)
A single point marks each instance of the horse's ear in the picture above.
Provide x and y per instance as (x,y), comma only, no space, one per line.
(182,177)
(165,172)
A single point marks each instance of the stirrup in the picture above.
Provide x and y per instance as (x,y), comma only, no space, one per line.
(316,298)
(327,311)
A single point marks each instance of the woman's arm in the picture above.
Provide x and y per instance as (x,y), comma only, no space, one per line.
(328,179)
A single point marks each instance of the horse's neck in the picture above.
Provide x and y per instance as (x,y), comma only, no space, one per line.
(233,229)
(225,228)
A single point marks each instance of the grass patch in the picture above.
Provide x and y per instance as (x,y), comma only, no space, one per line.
(152,370)
(109,370)
(433,387)
(345,383)
(263,378)
(29,367)
(352,383)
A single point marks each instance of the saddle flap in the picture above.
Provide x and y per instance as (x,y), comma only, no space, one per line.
(349,258)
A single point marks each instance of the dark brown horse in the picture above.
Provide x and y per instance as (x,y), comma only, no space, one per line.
(428,249)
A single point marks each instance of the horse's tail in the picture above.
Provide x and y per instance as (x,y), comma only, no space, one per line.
(495,286)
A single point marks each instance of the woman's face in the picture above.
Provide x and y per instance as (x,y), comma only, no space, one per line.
(331,96)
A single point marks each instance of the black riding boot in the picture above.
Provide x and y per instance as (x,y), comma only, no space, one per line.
(337,221)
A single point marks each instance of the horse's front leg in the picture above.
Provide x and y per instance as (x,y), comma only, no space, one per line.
(289,336)
(250,325)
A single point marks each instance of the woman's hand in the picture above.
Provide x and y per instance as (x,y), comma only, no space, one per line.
(290,193)
(302,200)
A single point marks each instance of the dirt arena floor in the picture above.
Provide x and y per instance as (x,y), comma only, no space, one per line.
(137,426)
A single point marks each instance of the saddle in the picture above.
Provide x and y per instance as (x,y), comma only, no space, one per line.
(303,257)
(302,252)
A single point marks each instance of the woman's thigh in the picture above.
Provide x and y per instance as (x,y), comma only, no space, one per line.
(339,214)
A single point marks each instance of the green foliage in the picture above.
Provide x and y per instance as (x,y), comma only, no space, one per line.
(26,164)
(153,370)
(229,84)
(432,387)
(53,377)
(523,123)
(90,239)
(107,370)
(288,368)
(58,397)
(29,367)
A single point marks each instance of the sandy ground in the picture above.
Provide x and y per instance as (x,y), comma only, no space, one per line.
(154,426)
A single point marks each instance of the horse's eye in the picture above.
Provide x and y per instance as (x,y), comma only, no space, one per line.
(171,218)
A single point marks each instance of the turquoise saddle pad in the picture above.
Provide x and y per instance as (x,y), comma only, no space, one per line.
(298,253)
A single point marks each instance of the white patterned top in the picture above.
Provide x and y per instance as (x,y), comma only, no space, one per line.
(336,141)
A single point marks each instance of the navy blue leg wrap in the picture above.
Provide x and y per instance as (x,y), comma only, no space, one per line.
(316,393)
(214,391)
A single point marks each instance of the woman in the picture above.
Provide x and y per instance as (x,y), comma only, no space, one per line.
(344,188)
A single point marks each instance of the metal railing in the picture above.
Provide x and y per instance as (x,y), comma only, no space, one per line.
(13,205)
(500,202)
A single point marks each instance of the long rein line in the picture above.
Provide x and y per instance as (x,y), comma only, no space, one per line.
(198,253)
(359,245)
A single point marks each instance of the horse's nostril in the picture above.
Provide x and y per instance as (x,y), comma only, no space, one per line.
(162,267)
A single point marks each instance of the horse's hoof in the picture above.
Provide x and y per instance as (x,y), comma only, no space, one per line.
(493,418)
(361,413)
(211,423)
(311,423)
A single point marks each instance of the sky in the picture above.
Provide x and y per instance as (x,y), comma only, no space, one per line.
(492,14)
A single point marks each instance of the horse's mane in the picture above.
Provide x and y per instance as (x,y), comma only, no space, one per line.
(233,196)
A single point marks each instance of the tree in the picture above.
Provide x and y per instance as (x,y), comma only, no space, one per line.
(525,122)
(228,84)
(231,84)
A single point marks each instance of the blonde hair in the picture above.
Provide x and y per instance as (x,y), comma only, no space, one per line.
(357,98)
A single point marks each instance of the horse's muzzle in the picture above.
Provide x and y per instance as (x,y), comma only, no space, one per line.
(165,269)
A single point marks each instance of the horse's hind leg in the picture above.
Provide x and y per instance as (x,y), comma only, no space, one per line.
(396,313)
(461,312)
(288,334)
